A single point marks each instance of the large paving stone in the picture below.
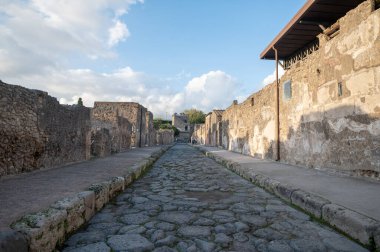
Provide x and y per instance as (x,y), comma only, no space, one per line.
(195,231)
(130,242)
(95,247)
(177,217)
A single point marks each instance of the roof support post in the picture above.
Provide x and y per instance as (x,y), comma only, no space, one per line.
(277,133)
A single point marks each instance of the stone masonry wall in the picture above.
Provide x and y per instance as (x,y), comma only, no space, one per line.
(199,133)
(165,136)
(318,126)
(150,139)
(118,130)
(37,132)
(133,112)
(181,122)
(213,127)
(249,127)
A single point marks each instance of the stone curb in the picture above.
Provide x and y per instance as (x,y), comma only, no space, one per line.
(359,227)
(47,229)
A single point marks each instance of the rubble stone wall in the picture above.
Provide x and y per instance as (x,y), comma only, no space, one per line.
(321,127)
(165,136)
(133,112)
(37,132)
(332,119)
(249,127)
(118,130)
(181,122)
(213,128)
(199,133)
(150,139)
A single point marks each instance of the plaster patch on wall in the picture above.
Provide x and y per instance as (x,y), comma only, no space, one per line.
(341,124)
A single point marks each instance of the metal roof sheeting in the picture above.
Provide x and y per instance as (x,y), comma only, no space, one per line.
(297,35)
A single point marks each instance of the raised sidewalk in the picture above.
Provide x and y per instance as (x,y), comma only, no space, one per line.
(57,201)
(352,205)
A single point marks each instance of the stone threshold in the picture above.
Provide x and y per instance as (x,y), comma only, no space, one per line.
(48,229)
(363,229)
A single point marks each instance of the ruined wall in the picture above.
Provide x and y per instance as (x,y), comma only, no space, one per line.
(319,125)
(199,133)
(131,111)
(118,130)
(150,138)
(165,136)
(213,128)
(181,122)
(37,132)
(249,127)
(101,142)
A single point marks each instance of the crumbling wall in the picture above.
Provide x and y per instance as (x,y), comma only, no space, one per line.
(150,138)
(119,129)
(165,136)
(213,128)
(249,127)
(199,133)
(101,142)
(181,122)
(327,126)
(133,112)
(37,132)
(332,117)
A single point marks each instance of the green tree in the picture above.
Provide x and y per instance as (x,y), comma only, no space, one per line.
(80,102)
(195,116)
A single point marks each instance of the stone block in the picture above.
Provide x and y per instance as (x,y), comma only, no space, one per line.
(356,225)
(75,209)
(271,185)
(101,191)
(284,191)
(44,230)
(138,169)
(309,202)
(116,186)
(128,179)
(89,203)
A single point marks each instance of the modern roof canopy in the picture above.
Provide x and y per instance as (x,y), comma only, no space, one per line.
(306,25)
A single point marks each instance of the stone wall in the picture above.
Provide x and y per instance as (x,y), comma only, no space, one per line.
(249,127)
(181,122)
(199,133)
(213,128)
(150,139)
(165,136)
(118,130)
(319,126)
(37,132)
(131,111)
(332,119)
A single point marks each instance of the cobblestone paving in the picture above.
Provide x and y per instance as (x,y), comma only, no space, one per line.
(188,202)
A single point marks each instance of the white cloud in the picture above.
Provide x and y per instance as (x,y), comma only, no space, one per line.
(213,90)
(218,89)
(119,32)
(272,77)
(40,37)
(37,35)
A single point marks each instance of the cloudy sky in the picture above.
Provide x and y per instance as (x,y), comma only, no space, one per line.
(168,55)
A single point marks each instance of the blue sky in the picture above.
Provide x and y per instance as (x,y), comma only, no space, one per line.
(166,54)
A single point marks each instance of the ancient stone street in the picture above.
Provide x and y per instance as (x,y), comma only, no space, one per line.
(188,202)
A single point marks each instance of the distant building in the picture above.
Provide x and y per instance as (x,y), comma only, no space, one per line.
(181,122)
